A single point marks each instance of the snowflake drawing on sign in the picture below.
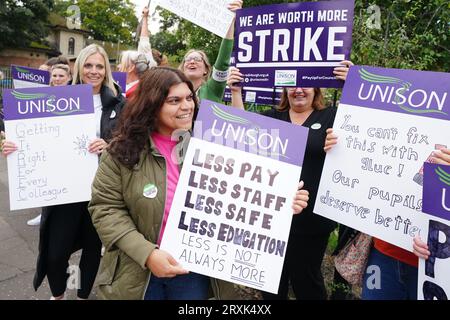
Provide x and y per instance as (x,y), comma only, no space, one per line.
(81,145)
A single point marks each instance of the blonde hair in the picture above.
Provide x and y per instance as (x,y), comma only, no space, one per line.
(205,61)
(81,59)
(61,66)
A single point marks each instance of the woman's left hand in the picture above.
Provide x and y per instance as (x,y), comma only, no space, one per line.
(341,72)
(301,199)
(97,146)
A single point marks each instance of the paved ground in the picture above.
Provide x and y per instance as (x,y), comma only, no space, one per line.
(18,250)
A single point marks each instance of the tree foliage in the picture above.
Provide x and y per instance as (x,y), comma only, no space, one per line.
(107,20)
(22,22)
(412,34)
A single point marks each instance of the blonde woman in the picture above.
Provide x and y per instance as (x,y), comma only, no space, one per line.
(67,228)
(60,75)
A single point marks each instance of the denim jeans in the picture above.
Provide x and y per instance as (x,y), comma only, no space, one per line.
(396,280)
(191,286)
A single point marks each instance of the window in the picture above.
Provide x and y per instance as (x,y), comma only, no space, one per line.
(71,46)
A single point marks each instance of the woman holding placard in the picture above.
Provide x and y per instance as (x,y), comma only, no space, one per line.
(133,191)
(67,228)
(209,82)
(308,238)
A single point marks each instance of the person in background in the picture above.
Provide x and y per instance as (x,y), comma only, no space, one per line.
(60,75)
(135,63)
(161,59)
(308,238)
(209,82)
(52,61)
(398,267)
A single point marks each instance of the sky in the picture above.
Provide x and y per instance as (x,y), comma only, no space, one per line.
(153,24)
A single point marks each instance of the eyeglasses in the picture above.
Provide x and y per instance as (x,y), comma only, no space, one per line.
(193,58)
(293,89)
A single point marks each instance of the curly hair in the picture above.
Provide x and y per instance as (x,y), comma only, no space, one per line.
(139,117)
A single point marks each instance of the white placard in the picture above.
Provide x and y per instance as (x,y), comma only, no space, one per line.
(211,15)
(232,209)
(210,243)
(370,178)
(434,275)
(52,128)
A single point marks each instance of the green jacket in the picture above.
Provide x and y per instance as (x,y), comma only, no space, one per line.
(214,88)
(128,224)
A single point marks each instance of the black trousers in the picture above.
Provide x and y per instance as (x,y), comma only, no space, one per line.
(70,228)
(302,269)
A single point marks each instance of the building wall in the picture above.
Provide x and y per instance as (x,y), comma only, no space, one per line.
(27,58)
(64,37)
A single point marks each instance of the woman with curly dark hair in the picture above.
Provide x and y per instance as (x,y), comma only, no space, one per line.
(133,191)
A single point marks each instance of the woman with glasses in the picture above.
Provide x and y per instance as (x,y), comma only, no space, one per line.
(210,81)
(308,238)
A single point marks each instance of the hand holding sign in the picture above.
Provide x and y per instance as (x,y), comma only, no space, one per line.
(341,72)
(163,265)
(8,147)
(301,199)
(441,156)
(330,140)
(420,248)
(97,146)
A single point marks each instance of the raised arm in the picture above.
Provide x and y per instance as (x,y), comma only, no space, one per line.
(144,45)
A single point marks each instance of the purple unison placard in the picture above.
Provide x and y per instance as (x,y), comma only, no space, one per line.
(30,75)
(419,93)
(46,102)
(436,190)
(294,44)
(251,132)
(121,79)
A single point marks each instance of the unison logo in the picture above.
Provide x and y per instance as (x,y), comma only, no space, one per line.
(399,92)
(234,128)
(44,103)
(285,77)
(444,177)
(27,75)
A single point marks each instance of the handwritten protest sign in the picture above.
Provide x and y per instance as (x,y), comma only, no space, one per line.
(295,44)
(231,213)
(434,277)
(211,15)
(51,127)
(25,77)
(388,123)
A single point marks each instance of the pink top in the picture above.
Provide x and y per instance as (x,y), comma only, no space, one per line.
(165,146)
